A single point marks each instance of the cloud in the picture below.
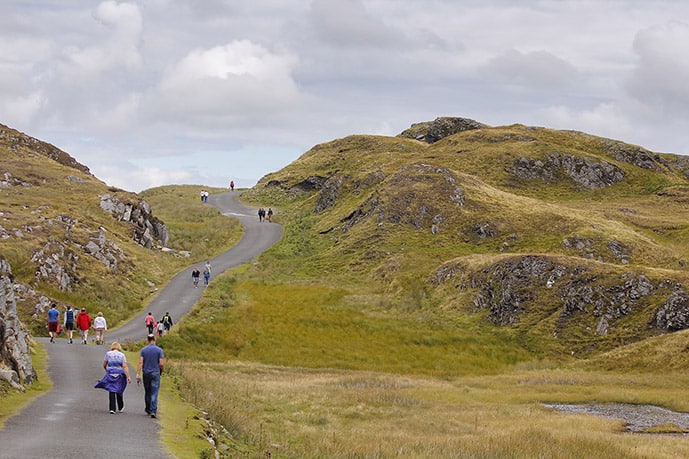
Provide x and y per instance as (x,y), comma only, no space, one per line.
(238,81)
(662,70)
(120,48)
(539,70)
(346,23)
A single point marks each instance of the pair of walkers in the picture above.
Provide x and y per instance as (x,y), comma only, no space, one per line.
(151,363)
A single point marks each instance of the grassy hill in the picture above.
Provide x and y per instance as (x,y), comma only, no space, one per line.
(64,247)
(426,299)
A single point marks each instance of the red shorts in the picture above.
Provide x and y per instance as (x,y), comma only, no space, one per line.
(52,326)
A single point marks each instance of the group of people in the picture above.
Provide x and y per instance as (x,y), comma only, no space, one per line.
(76,321)
(158,327)
(204,196)
(264,215)
(196,275)
(117,376)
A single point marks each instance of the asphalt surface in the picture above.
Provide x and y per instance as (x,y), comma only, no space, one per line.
(72,420)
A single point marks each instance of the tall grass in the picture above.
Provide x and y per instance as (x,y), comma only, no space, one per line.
(299,413)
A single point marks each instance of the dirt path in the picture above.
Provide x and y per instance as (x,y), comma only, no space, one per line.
(72,420)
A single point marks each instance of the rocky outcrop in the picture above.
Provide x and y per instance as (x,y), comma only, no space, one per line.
(586,172)
(438,129)
(15,357)
(415,195)
(541,285)
(148,230)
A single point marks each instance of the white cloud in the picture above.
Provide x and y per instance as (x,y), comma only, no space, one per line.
(539,70)
(662,71)
(227,83)
(347,23)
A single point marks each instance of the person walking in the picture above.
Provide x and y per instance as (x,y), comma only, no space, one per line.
(83,324)
(100,324)
(116,377)
(151,363)
(270,214)
(206,275)
(195,274)
(53,318)
(167,322)
(261,214)
(69,322)
(231,185)
(150,322)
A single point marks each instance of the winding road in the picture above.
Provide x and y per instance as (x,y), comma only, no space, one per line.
(72,419)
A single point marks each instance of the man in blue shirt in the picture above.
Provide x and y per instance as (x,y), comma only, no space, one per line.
(151,362)
(53,316)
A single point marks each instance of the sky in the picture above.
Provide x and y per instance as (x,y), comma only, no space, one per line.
(156,92)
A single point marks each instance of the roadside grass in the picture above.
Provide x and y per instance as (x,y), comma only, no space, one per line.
(194,227)
(292,412)
(327,327)
(13,400)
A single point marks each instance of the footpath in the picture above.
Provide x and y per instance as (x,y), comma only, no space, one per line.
(72,419)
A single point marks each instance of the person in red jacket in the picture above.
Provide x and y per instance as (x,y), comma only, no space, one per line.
(83,324)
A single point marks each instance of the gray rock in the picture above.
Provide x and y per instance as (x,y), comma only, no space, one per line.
(15,358)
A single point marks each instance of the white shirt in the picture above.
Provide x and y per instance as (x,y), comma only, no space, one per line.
(99,322)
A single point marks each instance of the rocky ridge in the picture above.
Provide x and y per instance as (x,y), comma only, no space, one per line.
(15,358)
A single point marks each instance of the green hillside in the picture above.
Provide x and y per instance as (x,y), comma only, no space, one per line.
(572,243)
(65,247)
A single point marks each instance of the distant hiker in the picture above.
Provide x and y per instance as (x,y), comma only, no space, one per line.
(69,322)
(100,324)
(206,275)
(151,362)
(270,214)
(116,377)
(159,328)
(83,324)
(195,274)
(261,214)
(232,185)
(53,317)
(167,322)
(150,322)
(207,266)
(203,195)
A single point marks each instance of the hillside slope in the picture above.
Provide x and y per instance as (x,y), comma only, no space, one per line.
(574,242)
(71,239)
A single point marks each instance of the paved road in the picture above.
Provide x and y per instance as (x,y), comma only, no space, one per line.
(72,420)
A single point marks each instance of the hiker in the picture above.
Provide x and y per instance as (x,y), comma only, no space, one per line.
(100,324)
(151,362)
(270,214)
(69,322)
(150,322)
(232,185)
(53,317)
(167,322)
(159,328)
(195,274)
(83,324)
(116,377)
(206,275)
(261,214)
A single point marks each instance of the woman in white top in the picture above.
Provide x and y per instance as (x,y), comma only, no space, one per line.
(116,377)
(100,325)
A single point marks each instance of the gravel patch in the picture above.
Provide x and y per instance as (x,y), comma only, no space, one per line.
(637,418)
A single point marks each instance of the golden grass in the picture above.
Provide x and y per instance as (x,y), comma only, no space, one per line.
(302,413)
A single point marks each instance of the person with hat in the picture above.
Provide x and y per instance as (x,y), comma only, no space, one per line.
(83,324)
